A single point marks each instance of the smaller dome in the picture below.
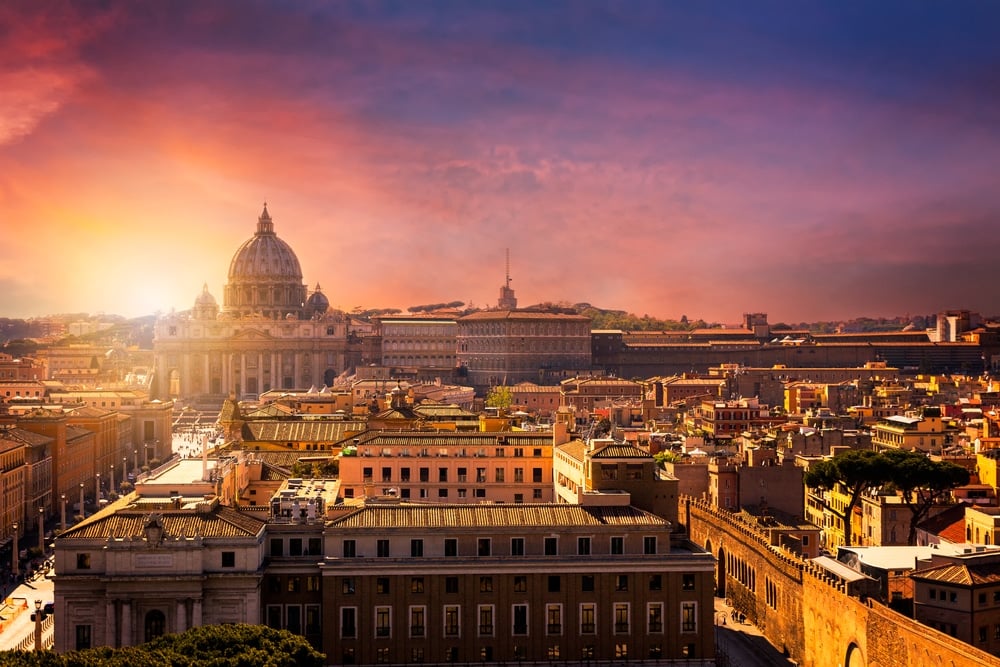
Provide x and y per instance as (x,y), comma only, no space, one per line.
(317,302)
(205,298)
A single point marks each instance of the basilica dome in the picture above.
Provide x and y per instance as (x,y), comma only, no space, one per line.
(265,277)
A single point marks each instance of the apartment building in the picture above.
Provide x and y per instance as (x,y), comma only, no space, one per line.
(505,583)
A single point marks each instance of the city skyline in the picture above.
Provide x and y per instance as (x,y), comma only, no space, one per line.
(815,161)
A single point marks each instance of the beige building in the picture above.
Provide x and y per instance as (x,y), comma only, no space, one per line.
(449,467)
(269,333)
(925,432)
(505,583)
(504,347)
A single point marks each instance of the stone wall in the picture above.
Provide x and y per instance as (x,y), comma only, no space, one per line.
(803,610)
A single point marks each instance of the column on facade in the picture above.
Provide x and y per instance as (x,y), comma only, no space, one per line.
(181,615)
(196,613)
(275,370)
(126,623)
(110,627)
(185,388)
(260,372)
(297,372)
(207,374)
(241,387)
(227,372)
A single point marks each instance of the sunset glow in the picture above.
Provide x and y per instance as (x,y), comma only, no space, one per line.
(812,160)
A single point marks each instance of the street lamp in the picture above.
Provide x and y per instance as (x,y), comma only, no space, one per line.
(124,469)
(62,516)
(111,483)
(97,491)
(41,530)
(15,558)
(38,625)
(135,461)
(82,512)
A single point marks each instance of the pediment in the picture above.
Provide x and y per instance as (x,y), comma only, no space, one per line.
(251,334)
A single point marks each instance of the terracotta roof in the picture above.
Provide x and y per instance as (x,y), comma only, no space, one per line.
(283,460)
(500,515)
(977,574)
(454,439)
(27,437)
(305,430)
(128,523)
(574,448)
(621,451)
(270,410)
(948,524)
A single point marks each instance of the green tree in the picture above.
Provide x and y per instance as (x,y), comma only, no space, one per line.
(855,470)
(500,397)
(923,483)
(214,645)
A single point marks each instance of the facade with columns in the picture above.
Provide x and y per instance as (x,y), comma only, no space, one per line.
(136,571)
(270,332)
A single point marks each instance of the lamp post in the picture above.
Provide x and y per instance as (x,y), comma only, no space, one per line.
(41,530)
(82,512)
(97,491)
(124,469)
(135,461)
(111,483)
(15,557)
(62,515)
(38,625)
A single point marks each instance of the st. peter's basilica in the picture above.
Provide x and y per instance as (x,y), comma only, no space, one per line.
(270,333)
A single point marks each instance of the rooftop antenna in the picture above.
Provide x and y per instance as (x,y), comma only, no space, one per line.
(507,299)
(507,267)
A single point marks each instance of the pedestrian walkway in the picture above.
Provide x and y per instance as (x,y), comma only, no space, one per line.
(17,628)
(740,643)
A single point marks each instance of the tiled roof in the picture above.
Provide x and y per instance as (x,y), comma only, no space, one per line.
(455,439)
(948,524)
(74,432)
(29,438)
(574,448)
(438,410)
(501,515)
(621,451)
(490,315)
(977,574)
(128,523)
(270,410)
(282,459)
(328,430)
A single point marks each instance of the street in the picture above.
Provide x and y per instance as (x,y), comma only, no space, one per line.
(742,644)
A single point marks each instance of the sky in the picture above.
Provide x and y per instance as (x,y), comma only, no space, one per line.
(811,160)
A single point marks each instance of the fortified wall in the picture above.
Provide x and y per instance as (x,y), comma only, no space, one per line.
(804,611)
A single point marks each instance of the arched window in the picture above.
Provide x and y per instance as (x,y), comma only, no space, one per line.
(155,624)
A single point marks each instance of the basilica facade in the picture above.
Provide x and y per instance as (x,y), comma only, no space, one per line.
(271,332)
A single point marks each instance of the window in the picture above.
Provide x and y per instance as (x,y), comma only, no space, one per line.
(347,656)
(621,617)
(228,559)
(486,653)
(536,451)
(621,650)
(484,546)
(553,619)
(386,474)
(485,584)
(416,548)
(382,585)
(347,586)
(583,546)
(382,655)
(649,545)
(520,619)
(654,617)
(383,621)
(551,546)
(587,583)
(294,584)
(656,582)
(621,582)
(315,546)
(480,493)
(451,584)
(382,548)
(451,621)
(588,614)
(404,474)
(687,582)
(555,583)
(312,583)
(417,655)
(350,549)
(552,652)
(442,474)
(689,617)
(425,474)
(520,584)
(450,547)
(82,637)
(982,633)
(294,621)
(481,475)
(83,563)
(348,622)
(536,475)
(536,494)
(517,546)
(518,498)
(416,584)
(451,654)
(485,620)
(417,616)
(519,475)
(617,546)
(498,474)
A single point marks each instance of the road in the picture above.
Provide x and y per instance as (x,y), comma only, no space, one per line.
(742,644)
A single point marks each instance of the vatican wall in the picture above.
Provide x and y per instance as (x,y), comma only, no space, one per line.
(806,612)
